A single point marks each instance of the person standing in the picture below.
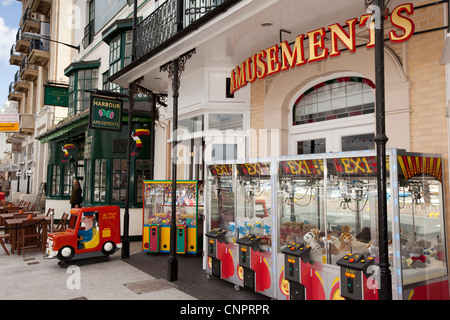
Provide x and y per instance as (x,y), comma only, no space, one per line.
(75,197)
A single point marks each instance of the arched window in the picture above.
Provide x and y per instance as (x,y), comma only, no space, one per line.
(335,99)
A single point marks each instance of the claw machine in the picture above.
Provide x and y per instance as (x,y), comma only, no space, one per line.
(220,233)
(239,215)
(328,204)
(306,226)
(157,213)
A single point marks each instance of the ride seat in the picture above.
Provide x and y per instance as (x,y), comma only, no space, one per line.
(94,241)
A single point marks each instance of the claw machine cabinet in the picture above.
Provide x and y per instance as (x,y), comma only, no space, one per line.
(220,227)
(254,215)
(157,216)
(300,202)
(330,203)
(418,250)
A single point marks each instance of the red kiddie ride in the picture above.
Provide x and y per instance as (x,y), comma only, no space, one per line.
(92,232)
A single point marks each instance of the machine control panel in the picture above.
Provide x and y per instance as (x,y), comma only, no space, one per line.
(217,233)
(352,274)
(293,252)
(355,261)
(214,235)
(246,245)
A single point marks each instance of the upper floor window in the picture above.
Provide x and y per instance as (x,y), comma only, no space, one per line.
(89,30)
(79,81)
(335,99)
(119,57)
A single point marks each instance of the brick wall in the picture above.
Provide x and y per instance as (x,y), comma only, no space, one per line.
(428,90)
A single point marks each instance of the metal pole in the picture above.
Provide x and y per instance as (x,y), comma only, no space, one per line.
(153,138)
(133,47)
(172,274)
(126,216)
(385,290)
(175,68)
(18,174)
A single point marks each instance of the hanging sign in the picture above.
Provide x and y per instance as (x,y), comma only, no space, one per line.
(105,113)
(56,96)
(280,57)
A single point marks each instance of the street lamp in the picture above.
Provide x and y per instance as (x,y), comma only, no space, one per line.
(378,8)
(28,174)
(18,174)
(43,37)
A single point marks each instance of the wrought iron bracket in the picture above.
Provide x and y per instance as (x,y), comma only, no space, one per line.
(175,68)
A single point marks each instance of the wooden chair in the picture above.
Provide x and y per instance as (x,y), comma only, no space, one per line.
(25,205)
(11,209)
(32,236)
(50,210)
(49,221)
(61,226)
(5,236)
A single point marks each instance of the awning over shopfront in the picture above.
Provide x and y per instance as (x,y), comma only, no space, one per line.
(64,128)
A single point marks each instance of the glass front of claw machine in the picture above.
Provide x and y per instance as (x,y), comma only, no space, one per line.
(254,226)
(326,205)
(419,243)
(157,216)
(220,236)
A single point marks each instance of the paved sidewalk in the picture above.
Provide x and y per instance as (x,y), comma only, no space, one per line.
(34,278)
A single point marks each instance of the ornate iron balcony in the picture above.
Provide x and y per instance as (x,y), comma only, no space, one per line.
(162,24)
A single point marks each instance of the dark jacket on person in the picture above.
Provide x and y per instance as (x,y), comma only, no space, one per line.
(75,197)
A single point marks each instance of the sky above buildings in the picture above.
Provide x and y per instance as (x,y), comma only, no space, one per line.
(10,14)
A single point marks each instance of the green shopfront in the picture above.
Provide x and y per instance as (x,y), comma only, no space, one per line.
(98,159)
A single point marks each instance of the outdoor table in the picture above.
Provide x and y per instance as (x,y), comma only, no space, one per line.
(13,224)
(4,216)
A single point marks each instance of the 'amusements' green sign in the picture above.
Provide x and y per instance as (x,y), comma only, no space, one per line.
(105,113)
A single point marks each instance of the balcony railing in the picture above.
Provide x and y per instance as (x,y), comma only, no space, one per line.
(161,25)
(26,65)
(37,44)
(28,71)
(11,87)
(15,57)
(19,85)
(39,52)
(29,23)
(195,9)
(13,94)
(17,76)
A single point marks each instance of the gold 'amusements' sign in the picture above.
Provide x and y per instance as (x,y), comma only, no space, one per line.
(281,57)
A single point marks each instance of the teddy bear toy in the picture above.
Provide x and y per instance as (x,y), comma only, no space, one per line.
(329,242)
(406,257)
(438,251)
(374,249)
(419,260)
(346,242)
(310,241)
